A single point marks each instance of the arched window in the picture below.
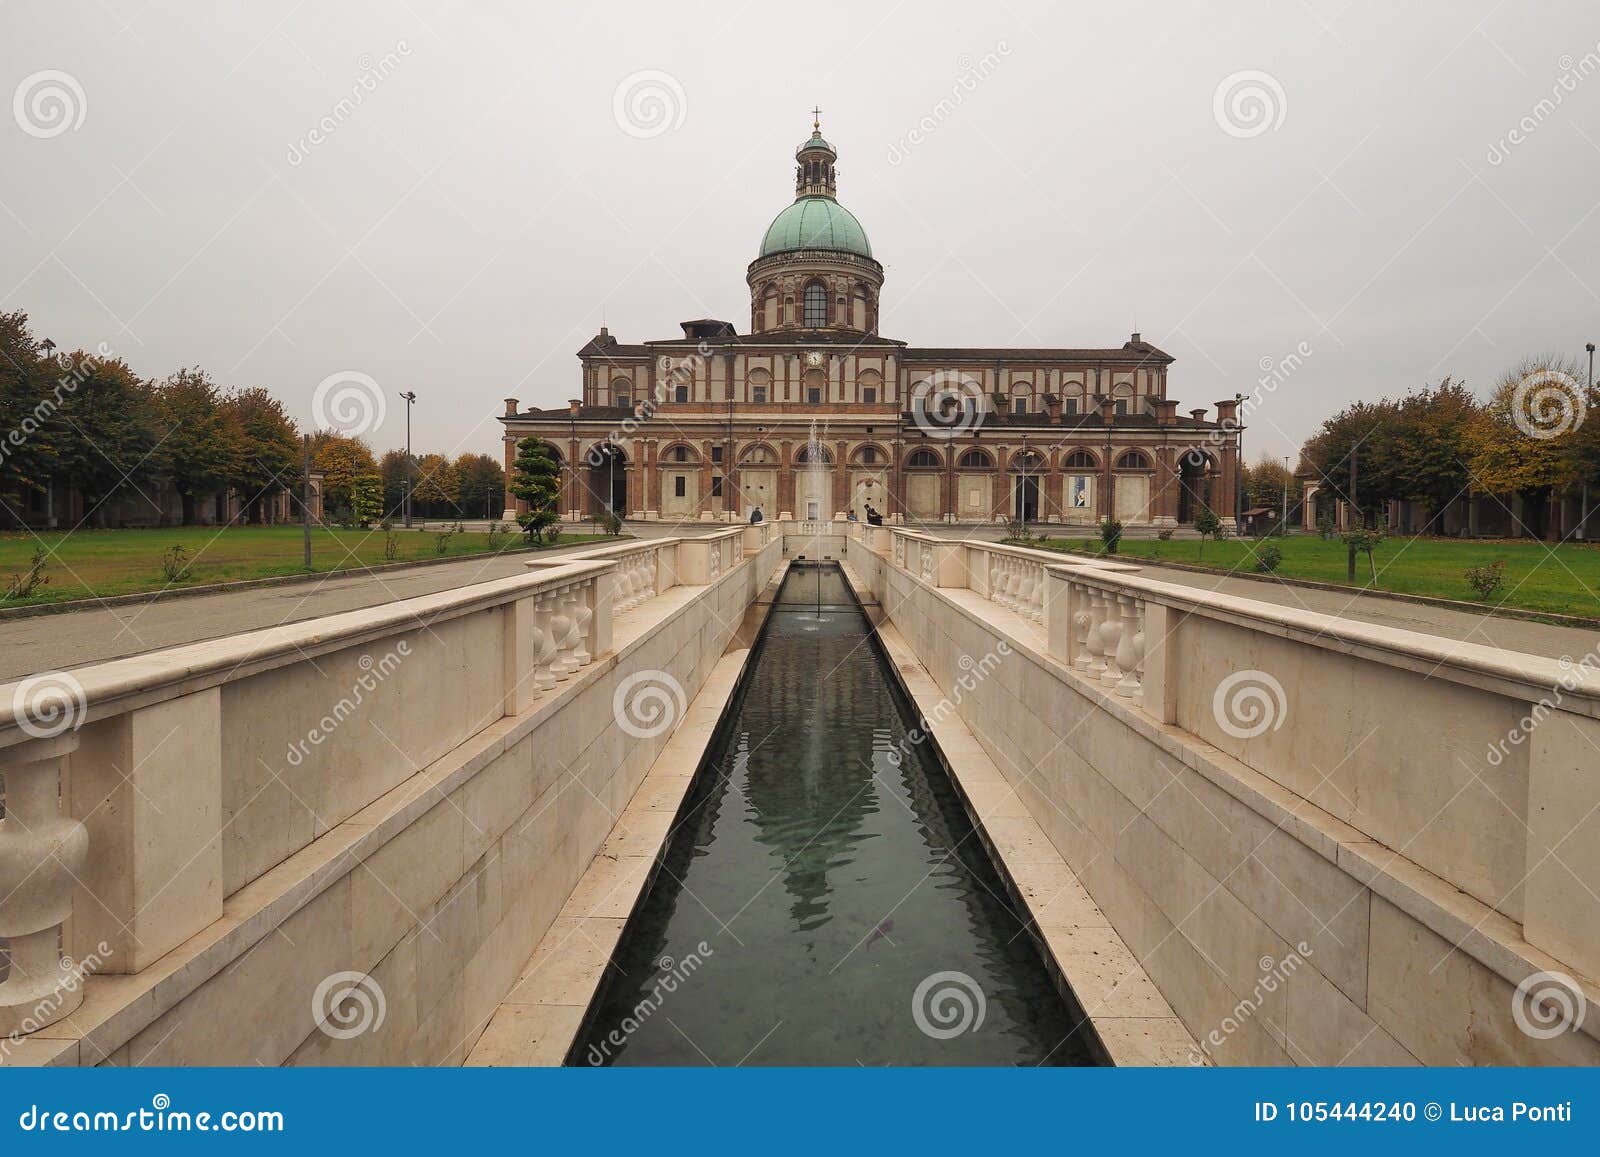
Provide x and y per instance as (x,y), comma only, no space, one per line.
(803,456)
(1133,460)
(815,305)
(923,460)
(1028,461)
(976,460)
(869,455)
(1079,460)
(680,453)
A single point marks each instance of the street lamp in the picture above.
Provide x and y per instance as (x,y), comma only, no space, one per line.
(1022,486)
(1238,463)
(1284,528)
(410,397)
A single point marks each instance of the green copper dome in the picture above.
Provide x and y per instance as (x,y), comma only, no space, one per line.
(815,223)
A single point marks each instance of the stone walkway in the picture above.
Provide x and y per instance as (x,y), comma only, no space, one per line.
(55,642)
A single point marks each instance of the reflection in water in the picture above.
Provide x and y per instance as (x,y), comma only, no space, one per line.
(829,871)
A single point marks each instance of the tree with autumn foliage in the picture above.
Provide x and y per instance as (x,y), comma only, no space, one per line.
(271,460)
(1523,441)
(480,485)
(435,492)
(342,459)
(202,438)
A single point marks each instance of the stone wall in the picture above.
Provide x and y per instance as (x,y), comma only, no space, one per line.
(307,814)
(1362,886)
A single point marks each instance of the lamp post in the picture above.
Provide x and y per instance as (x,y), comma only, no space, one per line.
(1284,529)
(1238,464)
(1022,486)
(410,397)
(1583,509)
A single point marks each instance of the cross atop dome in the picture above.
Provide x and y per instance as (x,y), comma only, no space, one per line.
(816,120)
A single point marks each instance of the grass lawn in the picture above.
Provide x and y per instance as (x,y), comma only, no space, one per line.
(87,563)
(1561,579)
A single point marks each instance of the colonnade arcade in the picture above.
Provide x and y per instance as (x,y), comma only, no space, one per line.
(915,479)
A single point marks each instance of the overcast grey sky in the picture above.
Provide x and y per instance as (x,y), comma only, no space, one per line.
(1375,185)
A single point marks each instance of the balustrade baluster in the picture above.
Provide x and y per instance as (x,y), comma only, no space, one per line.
(1089,659)
(1110,639)
(42,854)
(1131,645)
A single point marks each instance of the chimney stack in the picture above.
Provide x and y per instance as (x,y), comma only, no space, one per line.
(1198,415)
(1108,409)
(511,406)
(574,405)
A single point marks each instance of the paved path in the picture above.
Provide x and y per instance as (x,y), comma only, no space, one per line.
(54,642)
(74,638)
(1490,630)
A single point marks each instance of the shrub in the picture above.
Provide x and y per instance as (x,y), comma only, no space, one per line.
(497,535)
(1164,534)
(612,523)
(1487,580)
(175,563)
(1209,526)
(551,533)
(1111,535)
(1365,542)
(1268,559)
(27,584)
(441,540)
(391,545)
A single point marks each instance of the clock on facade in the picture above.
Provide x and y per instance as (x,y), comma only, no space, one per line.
(813,358)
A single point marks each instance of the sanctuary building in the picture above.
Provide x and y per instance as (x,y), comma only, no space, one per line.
(813,413)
